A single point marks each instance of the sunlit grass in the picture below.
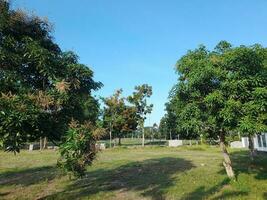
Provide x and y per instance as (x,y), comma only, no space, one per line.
(135,173)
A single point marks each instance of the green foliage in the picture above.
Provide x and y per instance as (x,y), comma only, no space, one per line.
(18,117)
(121,116)
(78,150)
(42,88)
(221,91)
(118,117)
(139,100)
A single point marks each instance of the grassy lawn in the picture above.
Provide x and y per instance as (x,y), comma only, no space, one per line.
(135,173)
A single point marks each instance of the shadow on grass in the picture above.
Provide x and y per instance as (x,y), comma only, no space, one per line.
(28,176)
(203,193)
(243,164)
(149,178)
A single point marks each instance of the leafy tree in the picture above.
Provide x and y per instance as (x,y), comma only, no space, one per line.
(119,118)
(163,128)
(79,150)
(41,88)
(200,89)
(171,120)
(139,100)
(245,85)
(217,89)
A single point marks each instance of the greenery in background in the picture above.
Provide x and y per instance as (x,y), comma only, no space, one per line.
(123,116)
(42,89)
(139,100)
(118,117)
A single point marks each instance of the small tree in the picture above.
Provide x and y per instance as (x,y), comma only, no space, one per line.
(79,149)
(139,100)
(112,109)
(120,118)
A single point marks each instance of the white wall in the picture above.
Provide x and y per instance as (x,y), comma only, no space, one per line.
(175,143)
(261,146)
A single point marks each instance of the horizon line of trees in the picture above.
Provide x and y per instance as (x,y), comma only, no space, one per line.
(124,115)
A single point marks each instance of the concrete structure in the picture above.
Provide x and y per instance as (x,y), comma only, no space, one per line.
(245,142)
(102,146)
(175,143)
(260,142)
(237,144)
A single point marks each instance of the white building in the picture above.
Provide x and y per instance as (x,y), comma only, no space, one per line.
(260,142)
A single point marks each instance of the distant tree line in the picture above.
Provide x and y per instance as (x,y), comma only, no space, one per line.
(124,115)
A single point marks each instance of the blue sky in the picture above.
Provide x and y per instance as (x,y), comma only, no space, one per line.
(130,42)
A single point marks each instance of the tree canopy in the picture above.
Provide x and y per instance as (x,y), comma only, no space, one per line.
(220,92)
(42,88)
(119,117)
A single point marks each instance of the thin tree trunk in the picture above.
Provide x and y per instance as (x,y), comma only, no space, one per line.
(251,148)
(143,139)
(119,141)
(227,161)
(45,143)
(110,135)
(41,144)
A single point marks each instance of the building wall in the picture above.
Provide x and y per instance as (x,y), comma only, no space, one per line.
(260,142)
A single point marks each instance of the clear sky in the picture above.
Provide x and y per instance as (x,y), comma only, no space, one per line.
(130,42)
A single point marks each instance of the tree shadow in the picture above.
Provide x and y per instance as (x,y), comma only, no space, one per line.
(28,176)
(203,193)
(242,164)
(150,178)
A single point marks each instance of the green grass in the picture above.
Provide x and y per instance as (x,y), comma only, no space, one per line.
(135,173)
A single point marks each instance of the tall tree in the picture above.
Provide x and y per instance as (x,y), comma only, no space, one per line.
(139,100)
(219,89)
(245,85)
(42,88)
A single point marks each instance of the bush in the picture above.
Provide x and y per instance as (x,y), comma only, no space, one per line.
(78,150)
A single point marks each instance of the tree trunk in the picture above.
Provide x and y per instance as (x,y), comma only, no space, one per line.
(119,141)
(41,144)
(227,161)
(143,139)
(251,148)
(45,143)
(110,137)
(190,142)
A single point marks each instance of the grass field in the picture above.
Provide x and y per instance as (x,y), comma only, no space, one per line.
(135,173)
